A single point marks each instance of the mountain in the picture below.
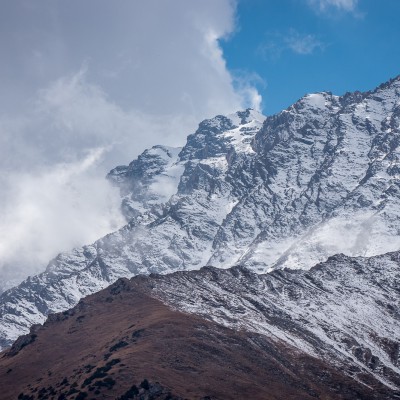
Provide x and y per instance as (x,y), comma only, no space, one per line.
(288,190)
(332,332)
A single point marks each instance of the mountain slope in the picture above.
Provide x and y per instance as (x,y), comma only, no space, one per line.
(229,335)
(345,310)
(285,191)
(152,241)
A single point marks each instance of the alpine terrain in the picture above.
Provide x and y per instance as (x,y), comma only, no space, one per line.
(328,333)
(263,202)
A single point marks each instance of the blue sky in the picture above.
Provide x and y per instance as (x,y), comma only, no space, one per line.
(299,46)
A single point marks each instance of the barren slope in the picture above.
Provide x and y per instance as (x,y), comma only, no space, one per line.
(123,335)
(119,338)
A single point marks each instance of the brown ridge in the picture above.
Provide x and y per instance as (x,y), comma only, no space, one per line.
(123,342)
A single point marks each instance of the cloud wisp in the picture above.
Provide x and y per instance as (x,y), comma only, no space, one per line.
(302,43)
(339,5)
(53,210)
(278,43)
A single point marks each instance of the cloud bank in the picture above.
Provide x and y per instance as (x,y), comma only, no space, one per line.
(87,86)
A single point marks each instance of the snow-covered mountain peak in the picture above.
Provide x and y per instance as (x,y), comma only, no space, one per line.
(245,117)
(148,181)
(164,152)
(317,101)
(220,135)
(286,191)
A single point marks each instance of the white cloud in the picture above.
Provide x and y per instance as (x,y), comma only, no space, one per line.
(325,5)
(255,99)
(151,71)
(302,43)
(52,210)
(155,56)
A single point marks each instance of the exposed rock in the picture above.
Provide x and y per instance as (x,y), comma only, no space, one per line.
(288,190)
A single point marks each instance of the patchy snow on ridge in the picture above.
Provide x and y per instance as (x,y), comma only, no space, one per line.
(345,310)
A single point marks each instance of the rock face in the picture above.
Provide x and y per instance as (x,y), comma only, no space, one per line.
(289,190)
(328,333)
(345,310)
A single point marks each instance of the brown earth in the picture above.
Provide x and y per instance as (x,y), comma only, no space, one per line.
(120,342)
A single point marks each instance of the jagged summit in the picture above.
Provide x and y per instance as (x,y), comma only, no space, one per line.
(151,179)
(286,191)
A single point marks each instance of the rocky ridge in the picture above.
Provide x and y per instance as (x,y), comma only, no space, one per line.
(330,333)
(284,191)
(345,310)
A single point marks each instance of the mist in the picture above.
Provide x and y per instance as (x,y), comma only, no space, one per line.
(88,86)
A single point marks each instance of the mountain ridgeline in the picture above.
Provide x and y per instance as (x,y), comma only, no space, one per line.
(328,333)
(266,193)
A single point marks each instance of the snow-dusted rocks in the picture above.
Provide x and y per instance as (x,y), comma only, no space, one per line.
(345,310)
(328,333)
(161,236)
(319,178)
(148,181)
